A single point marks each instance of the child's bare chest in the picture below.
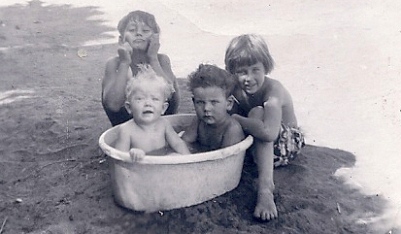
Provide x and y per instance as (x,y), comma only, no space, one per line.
(211,138)
(148,140)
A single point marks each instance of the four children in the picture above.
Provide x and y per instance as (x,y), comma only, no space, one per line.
(260,106)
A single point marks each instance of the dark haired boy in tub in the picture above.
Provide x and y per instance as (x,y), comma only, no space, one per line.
(213,128)
(146,133)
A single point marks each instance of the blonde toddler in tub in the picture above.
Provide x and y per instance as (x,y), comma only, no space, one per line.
(213,128)
(146,133)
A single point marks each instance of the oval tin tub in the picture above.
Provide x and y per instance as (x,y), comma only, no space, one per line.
(173,181)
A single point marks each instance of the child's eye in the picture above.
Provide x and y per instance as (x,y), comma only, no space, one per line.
(199,102)
(155,99)
(214,102)
(240,73)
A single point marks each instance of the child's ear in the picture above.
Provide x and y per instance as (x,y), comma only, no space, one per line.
(127,107)
(165,106)
(230,102)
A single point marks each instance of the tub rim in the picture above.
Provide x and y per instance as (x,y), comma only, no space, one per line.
(177,158)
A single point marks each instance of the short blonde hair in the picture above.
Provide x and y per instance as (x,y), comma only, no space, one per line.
(146,74)
(246,50)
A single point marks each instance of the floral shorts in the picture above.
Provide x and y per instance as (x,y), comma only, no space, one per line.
(288,144)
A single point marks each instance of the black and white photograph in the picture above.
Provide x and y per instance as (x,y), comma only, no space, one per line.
(176,116)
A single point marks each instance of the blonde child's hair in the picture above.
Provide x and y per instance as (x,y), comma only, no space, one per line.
(139,16)
(146,74)
(246,50)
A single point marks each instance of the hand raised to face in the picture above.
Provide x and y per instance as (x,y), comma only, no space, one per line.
(124,51)
(154,46)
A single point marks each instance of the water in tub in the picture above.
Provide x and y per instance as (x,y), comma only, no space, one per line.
(341,62)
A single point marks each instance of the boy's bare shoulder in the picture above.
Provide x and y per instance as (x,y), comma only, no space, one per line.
(234,128)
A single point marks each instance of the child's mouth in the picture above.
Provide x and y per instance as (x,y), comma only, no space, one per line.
(208,117)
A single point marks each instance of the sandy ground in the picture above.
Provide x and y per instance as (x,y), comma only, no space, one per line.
(55,179)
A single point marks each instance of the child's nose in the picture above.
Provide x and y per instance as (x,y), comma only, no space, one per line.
(246,78)
(208,106)
(148,102)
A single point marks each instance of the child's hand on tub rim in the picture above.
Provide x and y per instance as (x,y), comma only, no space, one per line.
(136,154)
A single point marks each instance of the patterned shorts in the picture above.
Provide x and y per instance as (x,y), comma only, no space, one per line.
(288,144)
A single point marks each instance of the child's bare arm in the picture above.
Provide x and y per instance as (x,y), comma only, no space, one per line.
(191,132)
(114,82)
(175,142)
(115,78)
(123,141)
(159,62)
(263,122)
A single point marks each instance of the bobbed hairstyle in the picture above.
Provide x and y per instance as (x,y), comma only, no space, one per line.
(211,76)
(140,16)
(246,50)
(147,76)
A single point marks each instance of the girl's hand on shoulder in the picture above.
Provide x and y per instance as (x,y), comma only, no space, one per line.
(124,52)
(154,46)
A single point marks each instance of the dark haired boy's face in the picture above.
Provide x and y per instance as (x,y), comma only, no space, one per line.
(211,104)
(137,34)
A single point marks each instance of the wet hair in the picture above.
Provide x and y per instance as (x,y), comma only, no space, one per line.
(140,16)
(147,75)
(246,50)
(211,76)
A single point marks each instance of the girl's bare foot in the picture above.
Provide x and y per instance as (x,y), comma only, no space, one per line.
(265,208)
